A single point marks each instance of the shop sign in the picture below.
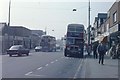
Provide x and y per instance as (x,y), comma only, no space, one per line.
(113,29)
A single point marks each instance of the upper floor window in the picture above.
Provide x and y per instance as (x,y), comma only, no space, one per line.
(114,17)
(108,14)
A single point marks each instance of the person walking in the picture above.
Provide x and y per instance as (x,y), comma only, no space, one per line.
(118,51)
(95,55)
(101,49)
(89,50)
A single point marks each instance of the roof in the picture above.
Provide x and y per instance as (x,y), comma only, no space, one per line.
(47,36)
(76,25)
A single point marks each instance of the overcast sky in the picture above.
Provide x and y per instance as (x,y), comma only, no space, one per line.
(52,15)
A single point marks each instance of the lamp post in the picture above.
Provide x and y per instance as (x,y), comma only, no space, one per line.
(9,13)
(89,26)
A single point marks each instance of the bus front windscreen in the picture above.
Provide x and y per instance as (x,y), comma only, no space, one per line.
(75,34)
(70,41)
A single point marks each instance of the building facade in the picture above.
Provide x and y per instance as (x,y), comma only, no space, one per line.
(114,23)
(3,37)
(13,35)
(36,37)
(99,26)
(108,25)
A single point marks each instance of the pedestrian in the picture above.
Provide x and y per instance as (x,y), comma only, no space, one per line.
(101,49)
(113,51)
(89,50)
(95,55)
(118,50)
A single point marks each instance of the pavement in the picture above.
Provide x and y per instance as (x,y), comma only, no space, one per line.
(0,66)
(92,69)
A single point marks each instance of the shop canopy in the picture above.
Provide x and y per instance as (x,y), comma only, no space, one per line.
(103,39)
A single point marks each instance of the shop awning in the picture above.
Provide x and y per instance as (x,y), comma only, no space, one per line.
(103,39)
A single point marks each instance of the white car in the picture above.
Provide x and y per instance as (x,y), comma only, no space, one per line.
(38,48)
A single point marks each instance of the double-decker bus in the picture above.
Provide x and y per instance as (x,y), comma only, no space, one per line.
(48,43)
(74,40)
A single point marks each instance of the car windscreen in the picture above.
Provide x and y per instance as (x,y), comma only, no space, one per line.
(39,47)
(14,48)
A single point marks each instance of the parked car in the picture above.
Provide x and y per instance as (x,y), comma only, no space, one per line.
(17,49)
(38,48)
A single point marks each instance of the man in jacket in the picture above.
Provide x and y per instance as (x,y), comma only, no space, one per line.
(101,49)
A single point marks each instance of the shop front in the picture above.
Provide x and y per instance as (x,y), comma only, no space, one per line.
(114,37)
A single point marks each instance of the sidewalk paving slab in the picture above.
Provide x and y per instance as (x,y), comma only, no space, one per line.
(92,69)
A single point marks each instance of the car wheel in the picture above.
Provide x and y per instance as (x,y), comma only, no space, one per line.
(27,54)
(10,55)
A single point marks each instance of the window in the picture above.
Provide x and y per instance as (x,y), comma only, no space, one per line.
(70,41)
(78,41)
(114,17)
(71,29)
(79,29)
(108,14)
(74,34)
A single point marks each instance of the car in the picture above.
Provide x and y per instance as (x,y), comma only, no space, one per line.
(38,48)
(17,50)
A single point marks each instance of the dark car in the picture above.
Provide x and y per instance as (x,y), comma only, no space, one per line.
(38,48)
(17,49)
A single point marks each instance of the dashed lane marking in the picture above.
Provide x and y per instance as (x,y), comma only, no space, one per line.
(28,73)
(75,76)
(52,62)
(46,65)
(39,68)
(35,75)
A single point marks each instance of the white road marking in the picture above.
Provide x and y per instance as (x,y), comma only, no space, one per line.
(28,73)
(56,60)
(39,68)
(35,75)
(46,65)
(78,70)
(52,62)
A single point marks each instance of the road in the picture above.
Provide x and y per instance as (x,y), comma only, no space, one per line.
(41,65)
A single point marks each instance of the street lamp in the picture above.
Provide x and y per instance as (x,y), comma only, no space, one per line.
(74,9)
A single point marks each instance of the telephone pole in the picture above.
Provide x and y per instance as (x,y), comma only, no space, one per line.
(89,32)
(9,13)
